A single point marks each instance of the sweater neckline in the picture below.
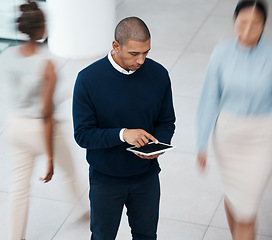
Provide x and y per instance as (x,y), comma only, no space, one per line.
(117,72)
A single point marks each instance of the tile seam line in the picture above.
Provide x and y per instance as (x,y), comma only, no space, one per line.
(222,228)
(212,217)
(58,200)
(3,130)
(73,208)
(50,199)
(120,4)
(180,221)
(195,34)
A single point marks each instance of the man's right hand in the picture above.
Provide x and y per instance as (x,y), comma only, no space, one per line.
(138,137)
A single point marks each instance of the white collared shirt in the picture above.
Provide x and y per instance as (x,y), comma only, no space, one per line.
(121,70)
(116,66)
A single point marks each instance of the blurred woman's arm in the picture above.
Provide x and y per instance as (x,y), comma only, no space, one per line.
(47,113)
(209,105)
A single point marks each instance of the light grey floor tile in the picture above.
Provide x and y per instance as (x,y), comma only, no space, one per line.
(224,8)
(175,230)
(159,15)
(219,219)
(124,229)
(3,214)
(77,224)
(164,56)
(4,165)
(45,217)
(265,216)
(119,2)
(187,194)
(188,74)
(210,34)
(185,133)
(220,233)
(217,233)
(262,237)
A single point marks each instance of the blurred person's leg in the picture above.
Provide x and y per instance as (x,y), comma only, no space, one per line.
(25,140)
(143,209)
(239,231)
(63,158)
(107,202)
(243,151)
(22,164)
(245,231)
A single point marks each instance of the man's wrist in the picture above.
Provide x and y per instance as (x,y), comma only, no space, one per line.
(121,134)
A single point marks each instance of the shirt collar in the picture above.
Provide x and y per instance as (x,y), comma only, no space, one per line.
(116,66)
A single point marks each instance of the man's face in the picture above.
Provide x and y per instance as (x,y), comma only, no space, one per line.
(131,55)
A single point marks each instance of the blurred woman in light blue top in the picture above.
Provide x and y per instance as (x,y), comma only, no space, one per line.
(236,105)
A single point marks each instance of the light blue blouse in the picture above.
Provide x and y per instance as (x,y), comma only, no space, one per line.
(238,80)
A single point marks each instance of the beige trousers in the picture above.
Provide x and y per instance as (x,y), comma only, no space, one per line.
(25,138)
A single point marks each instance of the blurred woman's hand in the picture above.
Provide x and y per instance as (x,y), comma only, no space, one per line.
(49,172)
(202,160)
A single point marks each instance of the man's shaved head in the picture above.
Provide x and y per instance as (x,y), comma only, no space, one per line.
(131,28)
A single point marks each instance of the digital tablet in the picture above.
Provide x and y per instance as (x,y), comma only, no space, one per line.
(151,149)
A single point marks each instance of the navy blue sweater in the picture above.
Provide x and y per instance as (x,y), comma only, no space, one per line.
(105,101)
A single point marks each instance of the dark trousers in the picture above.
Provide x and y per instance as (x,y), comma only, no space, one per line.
(142,203)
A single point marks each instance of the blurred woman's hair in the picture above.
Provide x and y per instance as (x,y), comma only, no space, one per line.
(258,4)
(31,20)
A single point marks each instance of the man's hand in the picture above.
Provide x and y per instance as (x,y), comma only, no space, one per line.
(148,157)
(138,137)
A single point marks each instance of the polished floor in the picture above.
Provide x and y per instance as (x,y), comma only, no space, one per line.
(184,33)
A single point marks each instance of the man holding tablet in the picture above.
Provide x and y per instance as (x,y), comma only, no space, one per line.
(120,101)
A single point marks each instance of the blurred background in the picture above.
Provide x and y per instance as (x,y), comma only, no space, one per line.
(184,32)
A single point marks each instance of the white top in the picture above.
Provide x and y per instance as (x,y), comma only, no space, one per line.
(121,70)
(116,66)
(24,76)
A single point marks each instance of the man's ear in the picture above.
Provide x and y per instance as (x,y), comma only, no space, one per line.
(116,46)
